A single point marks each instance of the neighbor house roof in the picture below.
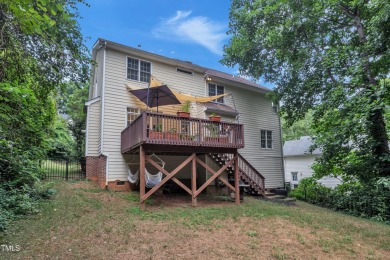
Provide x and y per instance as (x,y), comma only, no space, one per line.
(183,64)
(299,147)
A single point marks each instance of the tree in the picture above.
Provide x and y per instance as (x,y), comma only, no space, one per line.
(299,128)
(41,48)
(71,102)
(330,56)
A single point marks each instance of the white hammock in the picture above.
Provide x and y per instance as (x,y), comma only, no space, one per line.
(152,180)
(133,178)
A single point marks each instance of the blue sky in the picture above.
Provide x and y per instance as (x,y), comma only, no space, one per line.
(193,30)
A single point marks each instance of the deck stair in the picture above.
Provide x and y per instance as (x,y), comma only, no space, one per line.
(248,174)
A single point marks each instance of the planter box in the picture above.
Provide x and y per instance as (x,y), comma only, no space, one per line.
(211,139)
(224,139)
(183,114)
(215,118)
(156,135)
(171,136)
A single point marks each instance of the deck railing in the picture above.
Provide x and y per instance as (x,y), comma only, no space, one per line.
(154,128)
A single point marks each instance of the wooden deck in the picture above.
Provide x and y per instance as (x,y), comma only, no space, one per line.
(170,133)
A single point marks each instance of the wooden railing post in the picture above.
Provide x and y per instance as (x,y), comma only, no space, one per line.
(193,182)
(142,176)
(236,179)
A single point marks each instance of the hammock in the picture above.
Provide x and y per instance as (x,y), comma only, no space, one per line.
(133,178)
(152,180)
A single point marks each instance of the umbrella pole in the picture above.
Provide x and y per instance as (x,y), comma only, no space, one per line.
(147,97)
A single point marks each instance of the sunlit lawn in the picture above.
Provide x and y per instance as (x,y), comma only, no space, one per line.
(85,222)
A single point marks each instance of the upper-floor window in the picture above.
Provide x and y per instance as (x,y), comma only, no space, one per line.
(138,69)
(266,139)
(215,89)
(132,114)
(294,176)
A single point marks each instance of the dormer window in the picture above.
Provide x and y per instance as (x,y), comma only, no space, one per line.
(138,69)
(214,90)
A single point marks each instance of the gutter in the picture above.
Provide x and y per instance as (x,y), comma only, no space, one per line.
(102,98)
(282,152)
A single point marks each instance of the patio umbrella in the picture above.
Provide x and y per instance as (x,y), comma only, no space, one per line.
(156,96)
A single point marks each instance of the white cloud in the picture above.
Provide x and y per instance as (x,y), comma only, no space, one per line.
(199,29)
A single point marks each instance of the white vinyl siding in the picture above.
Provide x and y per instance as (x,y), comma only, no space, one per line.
(97,77)
(255,114)
(93,129)
(302,166)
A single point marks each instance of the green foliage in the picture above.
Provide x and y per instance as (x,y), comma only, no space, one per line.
(186,106)
(62,144)
(21,201)
(331,57)
(24,127)
(71,102)
(368,200)
(299,128)
(41,48)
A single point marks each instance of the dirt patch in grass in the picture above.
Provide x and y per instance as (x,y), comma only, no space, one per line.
(85,222)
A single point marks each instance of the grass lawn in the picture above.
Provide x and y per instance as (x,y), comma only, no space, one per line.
(83,222)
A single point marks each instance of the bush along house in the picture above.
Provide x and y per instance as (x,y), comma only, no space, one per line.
(160,124)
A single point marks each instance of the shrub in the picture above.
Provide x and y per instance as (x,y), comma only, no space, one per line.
(24,200)
(368,200)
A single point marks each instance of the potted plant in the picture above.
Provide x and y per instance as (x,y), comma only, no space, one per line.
(214,117)
(156,132)
(213,133)
(187,137)
(172,134)
(185,110)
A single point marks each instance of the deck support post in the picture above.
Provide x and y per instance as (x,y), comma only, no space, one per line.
(193,182)
(236,179)
(142,176)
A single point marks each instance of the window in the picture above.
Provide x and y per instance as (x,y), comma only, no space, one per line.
(274,107)
(266,139)
(215,89)
(294,176)
(138,69)
(132,114)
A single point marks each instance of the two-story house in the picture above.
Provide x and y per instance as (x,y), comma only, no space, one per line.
(119,125)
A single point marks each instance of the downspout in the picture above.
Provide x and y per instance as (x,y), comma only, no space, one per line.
(102,118)
(86,132)
(107,164)
(281,141)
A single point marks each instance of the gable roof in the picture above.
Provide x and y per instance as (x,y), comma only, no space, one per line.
(234,78)
(299,147)
(181,64)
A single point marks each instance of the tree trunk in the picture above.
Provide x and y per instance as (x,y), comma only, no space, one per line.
(380,149)
(376,121)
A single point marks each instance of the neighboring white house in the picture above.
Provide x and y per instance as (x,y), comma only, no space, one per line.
(111,108)
(298,161)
